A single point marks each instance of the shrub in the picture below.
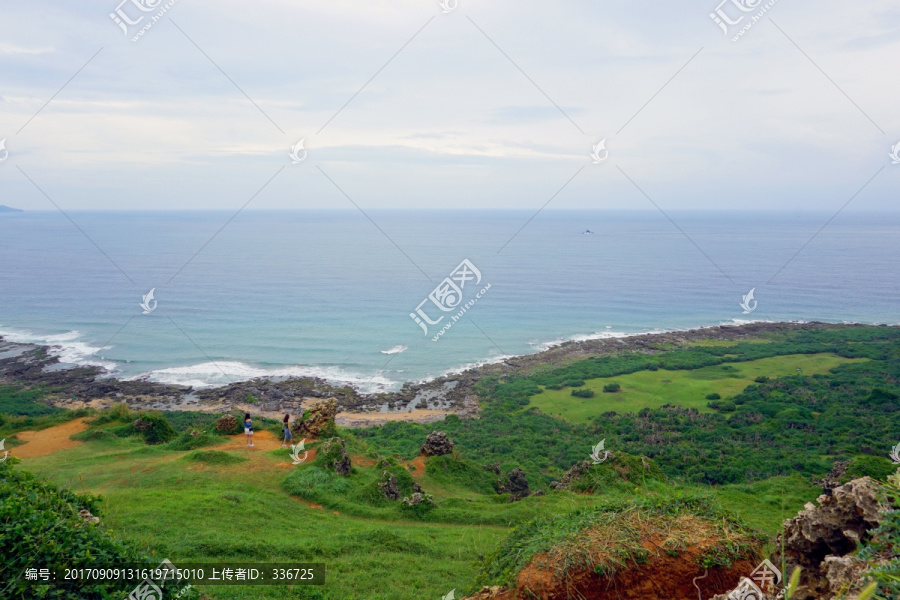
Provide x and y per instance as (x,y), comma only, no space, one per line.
(40,527)
(583,393)
(722,405)
(154,427)
(713,396)
(611,388)
(761,379)
(573,382)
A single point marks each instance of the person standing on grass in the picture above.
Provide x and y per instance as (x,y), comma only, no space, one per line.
(288,436)
(248,429)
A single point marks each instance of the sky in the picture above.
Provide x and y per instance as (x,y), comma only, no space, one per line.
(473,105)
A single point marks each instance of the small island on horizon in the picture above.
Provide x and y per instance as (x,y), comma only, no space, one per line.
(4,208)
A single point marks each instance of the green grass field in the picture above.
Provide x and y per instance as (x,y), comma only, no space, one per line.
(203,497)
(201,506)
(687,388)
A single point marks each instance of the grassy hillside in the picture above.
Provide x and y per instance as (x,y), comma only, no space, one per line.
(181,490)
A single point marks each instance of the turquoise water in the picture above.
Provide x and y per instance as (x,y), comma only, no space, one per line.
(330,293)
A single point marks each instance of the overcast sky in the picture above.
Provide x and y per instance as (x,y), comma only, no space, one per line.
(491,105)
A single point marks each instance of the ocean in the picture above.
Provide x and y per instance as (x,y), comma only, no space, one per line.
(331,293)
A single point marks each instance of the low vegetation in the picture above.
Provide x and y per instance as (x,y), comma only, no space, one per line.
(721,433)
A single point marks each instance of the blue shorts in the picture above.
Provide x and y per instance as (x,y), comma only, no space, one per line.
(288,434)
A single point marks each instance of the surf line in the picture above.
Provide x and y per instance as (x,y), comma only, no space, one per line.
(458,316)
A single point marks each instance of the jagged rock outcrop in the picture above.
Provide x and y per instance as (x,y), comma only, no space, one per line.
(227,423)
(487,593)
(87,516)
(437,444)
(493,468)
(317,418)
(334,454)
(419,498)
(821,539)
(389,487)
(833,479)
(574,473)
(515,484)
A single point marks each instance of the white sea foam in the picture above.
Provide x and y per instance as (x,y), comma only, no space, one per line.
(219,373)
(66,346)
(395,350)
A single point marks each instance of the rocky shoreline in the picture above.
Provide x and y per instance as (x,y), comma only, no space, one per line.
(77,387)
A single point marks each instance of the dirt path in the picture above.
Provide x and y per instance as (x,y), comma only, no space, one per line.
(262,440)
(47,441)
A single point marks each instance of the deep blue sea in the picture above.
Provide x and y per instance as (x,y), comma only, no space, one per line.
(330,293)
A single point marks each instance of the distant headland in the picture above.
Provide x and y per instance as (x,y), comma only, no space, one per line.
(6,209)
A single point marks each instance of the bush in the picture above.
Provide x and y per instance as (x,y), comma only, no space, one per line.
(40,527)
(573,383)
(611,388)
(722,405)
(229,425)
(154,427)
(713,396)
(583,393)
(761,379)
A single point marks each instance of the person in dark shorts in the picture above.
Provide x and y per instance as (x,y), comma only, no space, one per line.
(248,429)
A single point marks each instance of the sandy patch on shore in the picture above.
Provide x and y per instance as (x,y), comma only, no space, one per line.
(366,419)
(47,441)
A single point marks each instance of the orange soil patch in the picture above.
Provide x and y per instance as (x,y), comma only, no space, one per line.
(554,576)
(262,440)
(419,464)
(48,441)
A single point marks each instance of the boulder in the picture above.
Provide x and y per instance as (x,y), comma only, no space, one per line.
(317,418)
(515,484)
(437,444)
